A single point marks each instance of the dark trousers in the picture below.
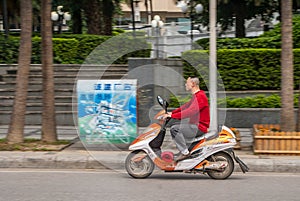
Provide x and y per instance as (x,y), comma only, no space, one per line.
(183,134)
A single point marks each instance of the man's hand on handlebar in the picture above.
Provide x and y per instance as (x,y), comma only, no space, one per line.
(167,115)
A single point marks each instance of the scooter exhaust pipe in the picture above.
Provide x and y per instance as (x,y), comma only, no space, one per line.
(217,166)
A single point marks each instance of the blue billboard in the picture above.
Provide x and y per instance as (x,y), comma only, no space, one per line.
(107,111)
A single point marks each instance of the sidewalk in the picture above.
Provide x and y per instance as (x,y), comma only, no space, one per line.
(77,157)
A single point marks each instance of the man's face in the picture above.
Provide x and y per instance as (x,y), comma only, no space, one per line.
(189,84)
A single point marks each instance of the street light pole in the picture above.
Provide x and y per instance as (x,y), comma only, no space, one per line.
(193,10)
(213,65)
(157,24)
(60,16)
(192,21)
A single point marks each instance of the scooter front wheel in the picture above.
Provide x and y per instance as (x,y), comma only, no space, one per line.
(139,165)
(226,171)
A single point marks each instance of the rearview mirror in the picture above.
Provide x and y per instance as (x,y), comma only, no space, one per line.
(160,100)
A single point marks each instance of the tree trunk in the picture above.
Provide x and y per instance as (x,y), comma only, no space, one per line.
(77,20)
(108,12)
(48,114)
(240,10)
(107,25)
(132,17)
(149,18)
(298,112)
(93,16)
(17,123)
(287,117)
(298,115)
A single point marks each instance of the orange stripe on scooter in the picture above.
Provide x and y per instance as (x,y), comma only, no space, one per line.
(164,165)
(198,145)
(155,128)
(201,164)
(225,133)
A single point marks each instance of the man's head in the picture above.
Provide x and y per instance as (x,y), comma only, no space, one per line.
(192,84)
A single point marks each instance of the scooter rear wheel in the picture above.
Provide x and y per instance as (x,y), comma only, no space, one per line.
(227,171)
(139,165)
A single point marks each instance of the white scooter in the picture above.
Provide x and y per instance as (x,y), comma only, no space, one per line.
(211,153)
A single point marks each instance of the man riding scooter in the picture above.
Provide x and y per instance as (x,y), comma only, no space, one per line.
(210,153)
(197,110)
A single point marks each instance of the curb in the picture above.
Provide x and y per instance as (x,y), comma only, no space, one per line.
(101,160)
(274,165)
(49,160)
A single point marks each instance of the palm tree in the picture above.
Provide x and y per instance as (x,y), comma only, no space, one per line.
(109,7)
(93,14)
(287,117)
(17,123)
(48,115)
(148,3)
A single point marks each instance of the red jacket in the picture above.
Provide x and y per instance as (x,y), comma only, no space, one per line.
(197,109)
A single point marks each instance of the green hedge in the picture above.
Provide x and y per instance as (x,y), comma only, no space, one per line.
(259,101)
(86,44)
(245,43)
(73,49)
(245,69)
(9,50)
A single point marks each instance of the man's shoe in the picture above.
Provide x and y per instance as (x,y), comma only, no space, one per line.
(182,157)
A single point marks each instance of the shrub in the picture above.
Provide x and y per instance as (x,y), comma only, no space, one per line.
(9,50)
(244,43)
(259,101)
(72,48)
(245,69)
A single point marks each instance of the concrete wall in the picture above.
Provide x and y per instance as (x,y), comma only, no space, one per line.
(243,117)
(247,117)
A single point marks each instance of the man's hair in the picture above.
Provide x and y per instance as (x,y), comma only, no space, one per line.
(195,80)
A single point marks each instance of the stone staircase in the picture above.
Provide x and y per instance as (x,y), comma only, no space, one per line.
(65,76)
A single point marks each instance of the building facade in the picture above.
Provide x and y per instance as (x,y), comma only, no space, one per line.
(166,9)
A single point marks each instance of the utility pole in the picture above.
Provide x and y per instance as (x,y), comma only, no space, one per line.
(213,65)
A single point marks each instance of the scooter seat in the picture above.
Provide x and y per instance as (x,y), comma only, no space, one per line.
(211,135)
(208,136)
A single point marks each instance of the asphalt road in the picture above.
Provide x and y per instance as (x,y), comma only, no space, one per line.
(55,185)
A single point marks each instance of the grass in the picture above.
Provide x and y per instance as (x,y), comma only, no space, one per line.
(31,144)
